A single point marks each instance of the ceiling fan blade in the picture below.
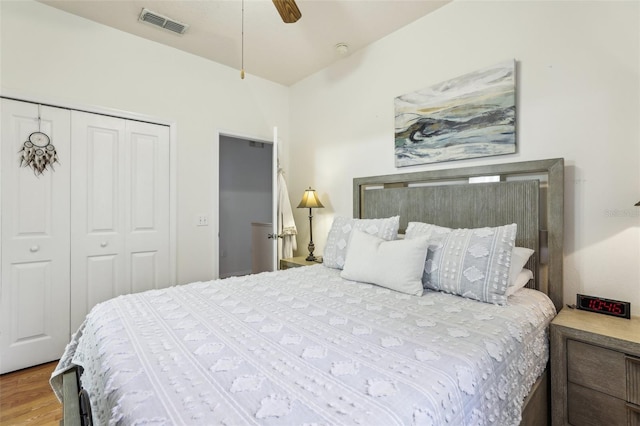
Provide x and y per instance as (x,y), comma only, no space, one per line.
(288,10)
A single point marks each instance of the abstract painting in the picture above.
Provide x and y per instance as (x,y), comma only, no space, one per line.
(470,116)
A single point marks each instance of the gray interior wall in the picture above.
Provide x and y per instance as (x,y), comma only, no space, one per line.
(245,197)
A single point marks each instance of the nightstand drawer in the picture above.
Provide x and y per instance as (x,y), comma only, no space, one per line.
(590,407)
(597,368)
(633,381)
(634,414)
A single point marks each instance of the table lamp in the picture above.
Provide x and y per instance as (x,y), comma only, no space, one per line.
(310,201)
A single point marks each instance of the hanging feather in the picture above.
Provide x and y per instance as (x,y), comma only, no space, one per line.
(28,151)
(40,161)
(52,156)
(38,153)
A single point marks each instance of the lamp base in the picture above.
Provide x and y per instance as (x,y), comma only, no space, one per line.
(311,247)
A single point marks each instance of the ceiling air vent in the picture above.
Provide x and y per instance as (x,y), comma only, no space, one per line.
(162,21)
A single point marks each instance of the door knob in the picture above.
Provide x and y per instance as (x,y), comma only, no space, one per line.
(103,244)
(34,249)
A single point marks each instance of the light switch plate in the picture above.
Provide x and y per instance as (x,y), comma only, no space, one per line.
(202,220)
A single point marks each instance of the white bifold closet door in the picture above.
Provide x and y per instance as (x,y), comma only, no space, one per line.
(94,227)
(119,209)
(34,292)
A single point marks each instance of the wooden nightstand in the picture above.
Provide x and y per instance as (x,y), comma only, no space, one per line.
(296,262)
(595,369)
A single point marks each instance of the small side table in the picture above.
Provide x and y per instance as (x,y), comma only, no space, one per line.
(595,369)
(296,262)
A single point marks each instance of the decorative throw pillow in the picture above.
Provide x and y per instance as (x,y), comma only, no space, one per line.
(338,239)
(519,257)
(473,263)
(421,229)
(396,265)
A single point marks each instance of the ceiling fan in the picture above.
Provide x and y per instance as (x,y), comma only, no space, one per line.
(288,10)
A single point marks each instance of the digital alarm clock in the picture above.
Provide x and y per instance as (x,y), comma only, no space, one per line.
(615,308)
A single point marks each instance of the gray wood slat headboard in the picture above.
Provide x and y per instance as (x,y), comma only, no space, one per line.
(529,193)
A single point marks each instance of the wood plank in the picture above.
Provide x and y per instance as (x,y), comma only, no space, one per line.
(27,398)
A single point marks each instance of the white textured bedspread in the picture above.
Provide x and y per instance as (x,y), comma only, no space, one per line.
(305,347)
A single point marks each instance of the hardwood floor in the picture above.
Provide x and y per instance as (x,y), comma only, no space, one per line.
(27,399)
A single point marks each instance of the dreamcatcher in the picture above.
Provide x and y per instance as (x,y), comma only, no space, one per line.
(37,151)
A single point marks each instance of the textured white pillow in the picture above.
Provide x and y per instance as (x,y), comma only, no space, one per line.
(421,229)
(521,280)
(472,263)
(396,265)
(335,250)
(519,258)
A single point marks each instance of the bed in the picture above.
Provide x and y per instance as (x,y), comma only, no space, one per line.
(309,346)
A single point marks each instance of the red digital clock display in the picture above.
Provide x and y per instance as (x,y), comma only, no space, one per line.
(615,308)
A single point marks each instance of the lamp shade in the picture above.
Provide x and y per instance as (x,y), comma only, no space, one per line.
(310,200)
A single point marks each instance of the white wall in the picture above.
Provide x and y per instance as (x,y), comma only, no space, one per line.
(578,98)
(49,54)
(578,95)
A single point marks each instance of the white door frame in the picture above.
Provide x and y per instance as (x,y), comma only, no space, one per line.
(173,158)
(215,209)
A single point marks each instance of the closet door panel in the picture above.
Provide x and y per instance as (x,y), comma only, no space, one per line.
(98,211)
(101,155)
(102,273)
(34,288)
(144,271)
(144,175)
(32,205)
(148,221)
(31,300)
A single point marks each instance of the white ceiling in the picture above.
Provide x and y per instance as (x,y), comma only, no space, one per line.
(284,53)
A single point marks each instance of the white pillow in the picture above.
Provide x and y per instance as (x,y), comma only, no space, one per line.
(335,249)
(519,258)
(396,265)
(522,279)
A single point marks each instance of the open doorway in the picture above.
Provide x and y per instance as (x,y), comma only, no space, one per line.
(245,207)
